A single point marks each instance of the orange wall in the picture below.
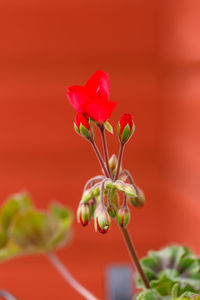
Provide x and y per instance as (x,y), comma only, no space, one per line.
(151,51)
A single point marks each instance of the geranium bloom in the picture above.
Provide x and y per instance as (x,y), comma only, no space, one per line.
(92,99)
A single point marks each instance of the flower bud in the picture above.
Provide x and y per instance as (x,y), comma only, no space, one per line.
(112,211)
(125,127)
(82,126)
(101,219)
(83,214)
(92,204)
(130,190)
(113,164)
(139,199)
(123,216)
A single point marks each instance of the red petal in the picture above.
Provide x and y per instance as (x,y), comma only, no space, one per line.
(99,110)
(81,119)
(77,97)
(98,84)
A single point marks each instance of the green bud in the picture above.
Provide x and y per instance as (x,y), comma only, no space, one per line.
(113,164)
(123,216)
(139,199)
(3,239)
(114,197)
(112,211)
(130,190)
(126,188)
(92,204)
(119,185)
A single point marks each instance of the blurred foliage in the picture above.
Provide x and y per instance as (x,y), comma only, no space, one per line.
(173,273)
(25,230)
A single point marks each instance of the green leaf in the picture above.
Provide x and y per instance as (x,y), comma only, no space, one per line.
(63,214)
(163,286)
(149,295)
(175,269)
(16,204)
(108,127)
(33,230)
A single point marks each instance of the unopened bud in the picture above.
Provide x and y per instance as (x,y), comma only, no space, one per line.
(83,214)
(119,185)
(82,126)
(139,199)
(92,204)
(130,190)
(112,211)
(123,216)
(101,219)
(87,195)
(125,127)
(113,164)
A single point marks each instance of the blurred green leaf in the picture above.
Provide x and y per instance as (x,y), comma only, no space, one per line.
(17,203)
(24,229)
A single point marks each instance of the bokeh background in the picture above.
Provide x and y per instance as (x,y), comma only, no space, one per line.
(151,50)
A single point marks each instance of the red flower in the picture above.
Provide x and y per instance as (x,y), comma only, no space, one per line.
(81,119)
(126,119)
(92,99)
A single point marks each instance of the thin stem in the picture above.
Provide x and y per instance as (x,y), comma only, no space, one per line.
(69,278)
(125,200)
(6,295)
(99,157)
(134,256)
(119,160)
(130,178)
(92,180)
(105,149)
(102,192)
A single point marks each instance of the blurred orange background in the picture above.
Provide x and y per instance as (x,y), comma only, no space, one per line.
(151,50)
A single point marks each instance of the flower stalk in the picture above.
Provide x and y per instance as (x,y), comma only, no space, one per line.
(96,150)
(105,149)
(69,278)
(134,256)
(119,160)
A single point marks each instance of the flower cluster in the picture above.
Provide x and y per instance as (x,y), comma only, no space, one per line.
(101,195)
